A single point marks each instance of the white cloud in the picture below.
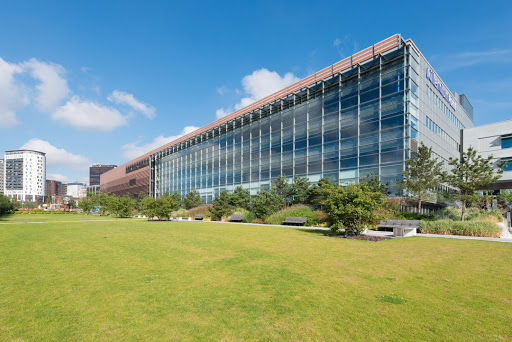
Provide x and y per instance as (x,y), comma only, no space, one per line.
(471,58)
(59,177)
(133,150)
(53,88)
(12,95)
(259,84)
(222,90)
(123,98)
(89,115)
(58,157)
(345,46)
(220,113)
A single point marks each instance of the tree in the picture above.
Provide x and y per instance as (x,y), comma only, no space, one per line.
(318,192)
(469,174)
(166,204)
(102,202)
(72,204)
(176,198)
(138,201)
(222,206)
(299,190)
(267,202)
(86,205)
(281,187)
(374,183)
(6,206)
(355,206)
(148,207)
(423,173)
(192,200)
(240,198)
(121,206)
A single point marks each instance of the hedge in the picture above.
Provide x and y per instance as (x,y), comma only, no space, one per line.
(299,210)
(466,228)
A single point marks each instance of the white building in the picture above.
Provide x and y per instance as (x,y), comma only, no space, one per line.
(25,175)
(2,175)
(493,139)
(77,190)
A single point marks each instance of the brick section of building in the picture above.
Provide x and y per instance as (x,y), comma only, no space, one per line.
(119,182)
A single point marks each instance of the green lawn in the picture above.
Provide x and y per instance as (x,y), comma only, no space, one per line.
(51,217)
(183,281)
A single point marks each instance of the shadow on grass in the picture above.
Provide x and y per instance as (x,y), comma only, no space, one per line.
(316,231)
(6,217)
(350,236)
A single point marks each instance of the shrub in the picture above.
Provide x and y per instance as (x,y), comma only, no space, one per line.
(411,216)
(466,228)
(299,210)
(267,203)
(472,214)
(201,210)
(221,206)
(356,206)
(180,213)
(249,217)
(192,199)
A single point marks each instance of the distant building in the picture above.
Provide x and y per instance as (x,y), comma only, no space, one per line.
(76,190)
(25,175)
(2,172)
(55,188)
(64,190)
(493,139)
(96,170)
(93,189)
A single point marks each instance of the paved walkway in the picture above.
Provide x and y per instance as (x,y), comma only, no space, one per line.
(505,235)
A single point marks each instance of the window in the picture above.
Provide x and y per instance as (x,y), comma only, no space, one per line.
(506,142)
(508,164)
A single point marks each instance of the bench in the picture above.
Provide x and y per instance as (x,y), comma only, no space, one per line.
(199,217)
(296,220)
(236,218)
(401,228)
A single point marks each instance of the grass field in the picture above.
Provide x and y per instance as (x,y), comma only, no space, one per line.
(198,281)
(52,217)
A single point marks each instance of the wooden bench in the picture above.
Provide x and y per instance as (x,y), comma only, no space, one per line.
(296,220)
(401,228)
(236,218)
(199,217)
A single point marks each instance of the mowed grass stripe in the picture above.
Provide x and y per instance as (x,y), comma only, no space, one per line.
(133,280)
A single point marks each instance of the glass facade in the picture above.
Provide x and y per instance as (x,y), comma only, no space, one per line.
(353,124)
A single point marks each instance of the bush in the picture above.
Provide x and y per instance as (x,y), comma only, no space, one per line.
(299,210)
(466,228)
(201,210)
(249,217)
(180,213)
(267,203)
(472,214)
(411,216)
(221,206)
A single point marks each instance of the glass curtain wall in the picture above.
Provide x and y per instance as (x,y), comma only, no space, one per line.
(352,125)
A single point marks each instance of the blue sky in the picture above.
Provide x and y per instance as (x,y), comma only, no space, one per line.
(104,81)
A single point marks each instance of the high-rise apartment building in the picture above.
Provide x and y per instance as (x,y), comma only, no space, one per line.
(2,175)
(95,171)
(25,175)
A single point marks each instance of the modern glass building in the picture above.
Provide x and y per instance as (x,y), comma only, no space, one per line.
(363,115)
